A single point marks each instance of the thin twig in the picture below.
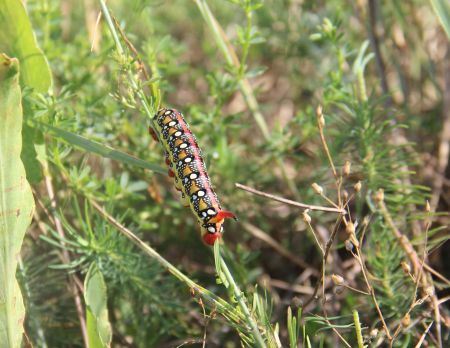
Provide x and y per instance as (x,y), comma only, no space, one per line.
(141,65)
(371,292)
(290,202)
(301,289)
(261,235)
(408,248)
(321,124)
(422,338)
(316,238)
(325,257)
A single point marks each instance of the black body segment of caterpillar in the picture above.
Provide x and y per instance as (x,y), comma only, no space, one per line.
(186,166)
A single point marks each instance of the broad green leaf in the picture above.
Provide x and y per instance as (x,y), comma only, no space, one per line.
(16,203)
(442,10)
(101,150)
(17,40)
(98,326)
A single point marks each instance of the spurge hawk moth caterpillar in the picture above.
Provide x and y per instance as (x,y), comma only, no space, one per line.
(186,166)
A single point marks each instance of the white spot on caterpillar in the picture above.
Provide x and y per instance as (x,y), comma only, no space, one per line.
(168,112)
(193,176)
(211,212)
(211,229)
(177,134)
(204,214)
(201,193)
(188,159)
(183,146)
(221,229)
(172,123)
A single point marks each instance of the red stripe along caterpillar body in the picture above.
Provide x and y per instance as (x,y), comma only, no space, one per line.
(186,166)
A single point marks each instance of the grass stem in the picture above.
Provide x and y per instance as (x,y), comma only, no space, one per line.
(240,297)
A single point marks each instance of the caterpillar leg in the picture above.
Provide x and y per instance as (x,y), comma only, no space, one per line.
(184,200)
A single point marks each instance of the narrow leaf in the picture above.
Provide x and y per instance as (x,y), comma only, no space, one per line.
(442,10)
(16,203)
(98,326)
(101,150)
(17,39)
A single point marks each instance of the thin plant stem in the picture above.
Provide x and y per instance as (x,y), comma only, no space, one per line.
(240,297)
(244,85)
(422,338)
(290,202)
(324,261)
(359,337)
(427,281)
(372,292)
(321,124)
(149,109)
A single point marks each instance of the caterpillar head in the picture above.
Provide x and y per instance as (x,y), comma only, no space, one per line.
(213,229)
(211,232)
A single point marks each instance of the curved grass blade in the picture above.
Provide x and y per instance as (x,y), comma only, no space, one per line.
(442,10)
(100,149)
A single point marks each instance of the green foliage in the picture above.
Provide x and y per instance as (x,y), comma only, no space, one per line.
(248,76)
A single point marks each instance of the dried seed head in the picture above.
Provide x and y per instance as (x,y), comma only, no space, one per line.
(357,186)
(406,320)
(320,117)
(347,168)
(348,245)
(345,195)
(306,217)
(337,279)
(350,228)
(427,207)
(374,333)
(429,291)
(406,267)
(317,188)
(379,196)
(366,221)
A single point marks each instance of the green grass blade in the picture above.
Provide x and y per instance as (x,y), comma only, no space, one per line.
(442,10)
(16,203)
(98,325)
(17,39)
(100,149)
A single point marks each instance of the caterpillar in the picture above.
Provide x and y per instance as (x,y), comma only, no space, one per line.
(187,167)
